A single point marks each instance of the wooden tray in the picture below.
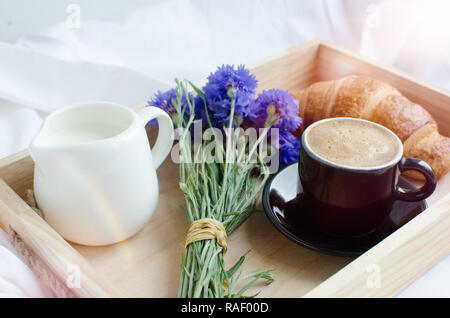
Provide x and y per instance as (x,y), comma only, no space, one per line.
(148,264)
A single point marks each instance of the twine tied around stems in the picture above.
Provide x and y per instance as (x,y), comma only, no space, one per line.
(207,229)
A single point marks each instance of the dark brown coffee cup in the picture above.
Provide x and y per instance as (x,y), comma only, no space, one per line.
(353,201)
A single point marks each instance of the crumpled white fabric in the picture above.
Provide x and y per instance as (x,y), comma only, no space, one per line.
(127,61)
(16,279)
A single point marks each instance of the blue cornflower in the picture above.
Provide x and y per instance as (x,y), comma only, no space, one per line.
(289,148)
(216,91)
(277,108)
(164,100)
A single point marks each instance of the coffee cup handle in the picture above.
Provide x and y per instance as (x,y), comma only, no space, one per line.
(164,142)
(418,194)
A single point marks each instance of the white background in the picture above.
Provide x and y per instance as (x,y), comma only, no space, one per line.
(125,50)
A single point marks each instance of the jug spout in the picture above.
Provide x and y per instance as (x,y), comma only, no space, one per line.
(42,152)
(38,154)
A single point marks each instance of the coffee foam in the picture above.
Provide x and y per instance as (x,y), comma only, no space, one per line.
(352,143)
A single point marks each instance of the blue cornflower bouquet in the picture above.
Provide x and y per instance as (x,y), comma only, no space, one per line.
(227,136)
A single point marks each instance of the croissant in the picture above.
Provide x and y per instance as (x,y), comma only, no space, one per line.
(370,99)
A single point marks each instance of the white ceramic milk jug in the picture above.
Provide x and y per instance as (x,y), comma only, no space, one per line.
(95,177)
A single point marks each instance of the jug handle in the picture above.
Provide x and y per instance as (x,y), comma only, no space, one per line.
(164,142)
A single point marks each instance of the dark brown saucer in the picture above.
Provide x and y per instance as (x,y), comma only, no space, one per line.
(282,204)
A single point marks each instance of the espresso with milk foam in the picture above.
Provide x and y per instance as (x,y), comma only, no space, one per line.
(352,143)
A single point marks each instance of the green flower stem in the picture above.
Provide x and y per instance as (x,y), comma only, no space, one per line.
(225,191)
